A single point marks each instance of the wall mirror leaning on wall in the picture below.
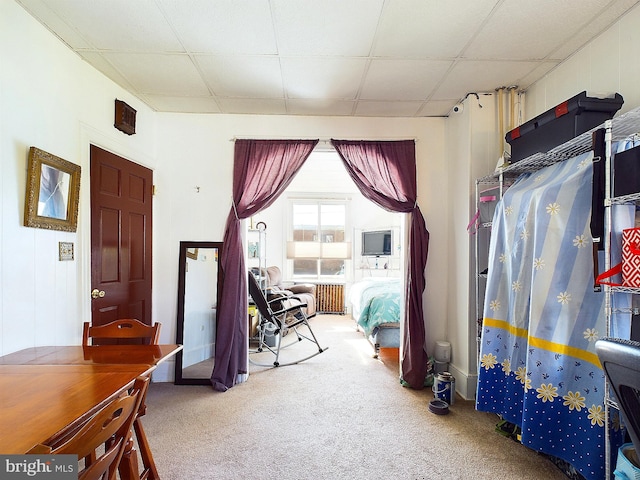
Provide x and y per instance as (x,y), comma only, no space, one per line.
(199,287)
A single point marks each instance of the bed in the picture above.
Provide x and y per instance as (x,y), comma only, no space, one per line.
(375,306)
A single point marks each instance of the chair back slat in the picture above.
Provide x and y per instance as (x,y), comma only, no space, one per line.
(124,328)
(111,426)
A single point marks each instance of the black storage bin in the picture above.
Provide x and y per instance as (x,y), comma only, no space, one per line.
(560,124)
(625,180)
(626,172)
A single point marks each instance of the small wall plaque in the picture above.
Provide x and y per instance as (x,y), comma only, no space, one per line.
(65,251)
(125,118)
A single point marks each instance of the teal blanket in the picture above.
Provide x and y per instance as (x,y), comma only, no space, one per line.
(376,301)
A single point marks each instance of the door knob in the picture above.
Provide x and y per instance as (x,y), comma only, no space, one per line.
(95,293)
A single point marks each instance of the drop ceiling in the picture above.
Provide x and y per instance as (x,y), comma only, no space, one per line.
(389,58)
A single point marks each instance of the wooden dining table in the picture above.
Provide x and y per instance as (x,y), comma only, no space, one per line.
(38,402)
(151,355)
(45,391)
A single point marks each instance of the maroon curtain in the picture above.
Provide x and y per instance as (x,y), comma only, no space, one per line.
(262,170)
(385,173)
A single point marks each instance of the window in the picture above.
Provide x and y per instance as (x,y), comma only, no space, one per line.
(318,245)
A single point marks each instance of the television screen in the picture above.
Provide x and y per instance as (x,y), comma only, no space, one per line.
(376,243)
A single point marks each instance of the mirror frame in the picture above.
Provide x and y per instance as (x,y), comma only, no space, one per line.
(37,160)
(186,250)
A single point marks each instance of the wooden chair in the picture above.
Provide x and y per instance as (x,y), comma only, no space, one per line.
(124,328)
(111,427)
(130,329)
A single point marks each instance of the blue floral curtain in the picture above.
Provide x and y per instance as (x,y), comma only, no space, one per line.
(538,366)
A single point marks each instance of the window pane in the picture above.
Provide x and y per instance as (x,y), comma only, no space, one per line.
(305,222)
(305,267)
(332,267)
(332,221)
(315,221)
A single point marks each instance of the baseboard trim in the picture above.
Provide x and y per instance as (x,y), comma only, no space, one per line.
(466,384)
(165,372)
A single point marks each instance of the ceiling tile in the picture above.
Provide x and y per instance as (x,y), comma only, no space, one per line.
(402,79)
(331,57)
(437,108)
(322,77)
(600,22)
(223,27)
(183,104)
(415,28)
(99,62)
(120,24)
(160,74)
(474,76)
(50,19)
(531,30)
(242,76)
(319,107)
(326,27)
(252,106)
(387,109)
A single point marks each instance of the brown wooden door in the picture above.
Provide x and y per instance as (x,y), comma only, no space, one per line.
(120,238)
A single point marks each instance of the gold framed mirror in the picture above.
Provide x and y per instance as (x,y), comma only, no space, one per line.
(52,193)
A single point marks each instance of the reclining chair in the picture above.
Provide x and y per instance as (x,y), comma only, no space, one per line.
(278,316)
(620,360)
(305,292)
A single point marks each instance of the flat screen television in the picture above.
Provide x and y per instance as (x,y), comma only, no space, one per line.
(376,243)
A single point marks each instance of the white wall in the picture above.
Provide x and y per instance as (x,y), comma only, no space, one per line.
(50,99)
(473,148)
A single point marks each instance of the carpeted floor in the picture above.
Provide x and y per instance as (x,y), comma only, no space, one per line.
(339,415)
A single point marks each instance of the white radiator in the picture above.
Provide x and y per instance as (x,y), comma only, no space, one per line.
(330,298)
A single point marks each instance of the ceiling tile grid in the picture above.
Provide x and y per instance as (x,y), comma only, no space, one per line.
(394,58)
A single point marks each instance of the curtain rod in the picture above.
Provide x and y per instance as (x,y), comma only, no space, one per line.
(323,140)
